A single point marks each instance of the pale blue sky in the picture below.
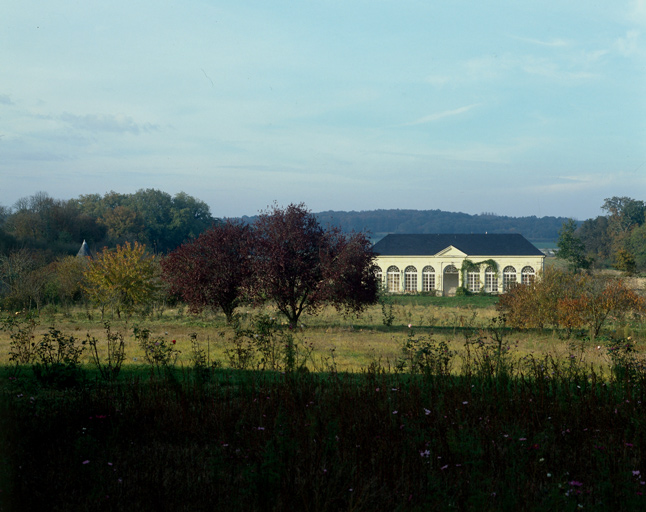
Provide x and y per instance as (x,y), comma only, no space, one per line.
(517,108)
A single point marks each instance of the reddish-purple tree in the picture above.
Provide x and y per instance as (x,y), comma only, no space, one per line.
(212,270)
(300,266)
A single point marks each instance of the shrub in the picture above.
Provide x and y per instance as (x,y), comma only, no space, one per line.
(57,359)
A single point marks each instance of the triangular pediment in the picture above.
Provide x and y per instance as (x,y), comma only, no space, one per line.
(451,251)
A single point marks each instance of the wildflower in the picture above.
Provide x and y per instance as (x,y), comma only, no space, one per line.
(425,453)
(394,412)
(465,403)
(173,342)
(86,462)
(522,439)
(636,472)
(410,325)
(444,467)
(575,483)
(427,411)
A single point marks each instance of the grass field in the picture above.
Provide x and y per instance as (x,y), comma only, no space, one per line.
(451,413)
(352,341)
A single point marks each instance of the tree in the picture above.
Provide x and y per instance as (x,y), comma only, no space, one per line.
(570,246)
(596,237)
(212,270)
(625,213)
(569,301)
(124,279)
(69,276)
(300,266)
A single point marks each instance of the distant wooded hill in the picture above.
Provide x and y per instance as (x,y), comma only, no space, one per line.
(381,222)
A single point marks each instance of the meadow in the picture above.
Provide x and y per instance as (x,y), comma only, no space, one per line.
(420,403)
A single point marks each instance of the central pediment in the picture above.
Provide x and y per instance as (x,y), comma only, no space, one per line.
(451,251)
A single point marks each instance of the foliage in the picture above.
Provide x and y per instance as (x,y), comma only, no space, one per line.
(110,365)
(211,270)
(159,353)
(545,439)
(437,221)
(300,266)
(626,363)
(569,301)
(264,345)
(148,216)
(21,327)
(571,248)
(123,279)
(23,275)
(68,272)
(57,359)
(423,354)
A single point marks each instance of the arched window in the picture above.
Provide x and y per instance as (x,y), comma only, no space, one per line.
(491,281)
(527,275)
(451,269)
(379,275)
(393,279)
(473,280)
(508,278)
(410,279)
(428,279)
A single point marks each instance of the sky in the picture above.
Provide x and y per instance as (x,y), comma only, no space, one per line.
(506,107)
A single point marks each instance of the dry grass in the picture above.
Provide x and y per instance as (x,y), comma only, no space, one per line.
(347,343)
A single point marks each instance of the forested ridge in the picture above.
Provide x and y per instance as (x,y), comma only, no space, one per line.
(55,228)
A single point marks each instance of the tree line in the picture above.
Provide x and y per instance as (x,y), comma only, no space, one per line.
(438,221)
(56,228)
(616,239)
(284,257)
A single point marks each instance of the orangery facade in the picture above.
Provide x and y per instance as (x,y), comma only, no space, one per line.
(443,263)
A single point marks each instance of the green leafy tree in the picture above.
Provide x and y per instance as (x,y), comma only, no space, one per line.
(571,248)
(124,279)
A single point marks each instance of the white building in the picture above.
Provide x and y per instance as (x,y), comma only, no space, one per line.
(443,263)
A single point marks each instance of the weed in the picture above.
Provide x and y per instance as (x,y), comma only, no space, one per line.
(109,367)
(57,359)
(159,353)
(21,327)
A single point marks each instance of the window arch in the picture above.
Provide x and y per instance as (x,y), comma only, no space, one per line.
(491,281)
(393,279)
(527,275)
(379,275)
(428,279)
(508,277)
(451,269)
(410,279)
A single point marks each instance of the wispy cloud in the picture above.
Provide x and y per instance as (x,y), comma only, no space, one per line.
(441,115)
(628,44)
(5,100)
(107,123)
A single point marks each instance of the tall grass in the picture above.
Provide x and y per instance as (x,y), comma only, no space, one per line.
(458,416)
(544,438)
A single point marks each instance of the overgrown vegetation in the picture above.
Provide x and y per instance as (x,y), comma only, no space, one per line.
(537,434)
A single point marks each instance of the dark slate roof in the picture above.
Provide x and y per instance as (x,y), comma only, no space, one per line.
(472,245)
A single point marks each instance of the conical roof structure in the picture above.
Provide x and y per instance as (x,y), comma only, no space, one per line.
(84,251)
